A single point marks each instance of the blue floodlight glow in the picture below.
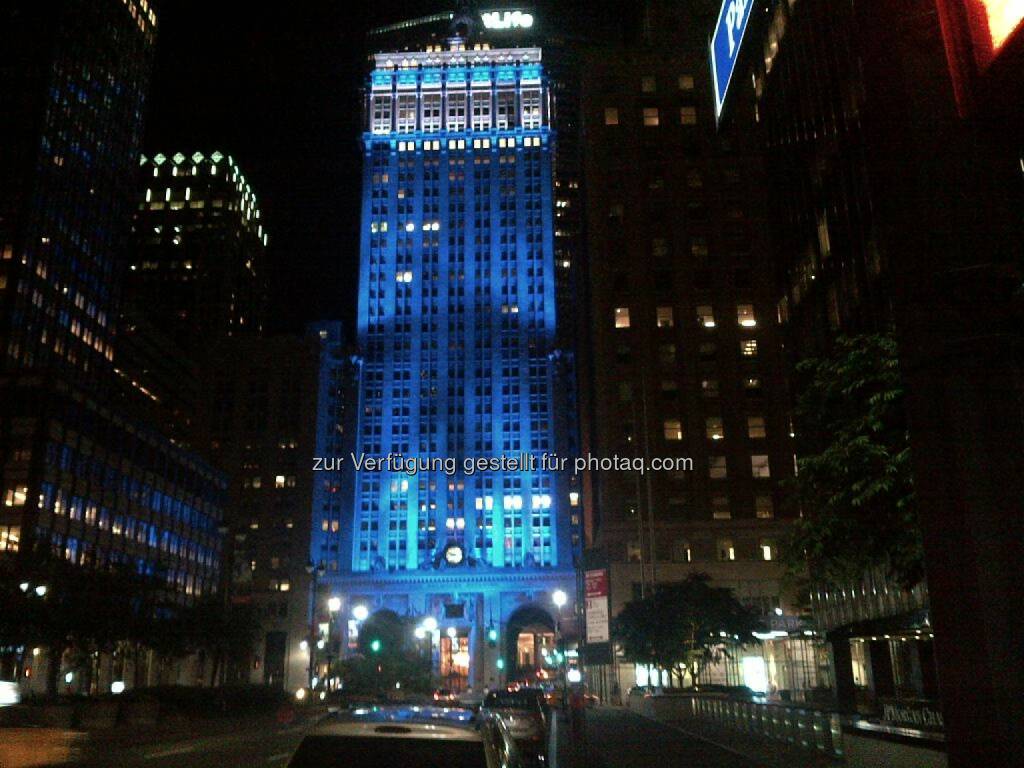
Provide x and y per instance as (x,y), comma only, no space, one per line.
(726,44)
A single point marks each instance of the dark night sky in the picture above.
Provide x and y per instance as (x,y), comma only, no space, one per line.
(276,85)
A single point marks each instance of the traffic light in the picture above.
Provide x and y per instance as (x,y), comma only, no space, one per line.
(375,645)
(492,637)
(501,663)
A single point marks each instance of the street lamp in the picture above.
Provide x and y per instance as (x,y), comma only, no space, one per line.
(430,624)
(360,612)
(559,598)
(316,572)
(334,604)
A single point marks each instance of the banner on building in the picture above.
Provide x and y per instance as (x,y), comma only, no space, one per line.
(596,592)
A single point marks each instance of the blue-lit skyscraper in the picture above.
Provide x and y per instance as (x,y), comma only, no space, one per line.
(456,327)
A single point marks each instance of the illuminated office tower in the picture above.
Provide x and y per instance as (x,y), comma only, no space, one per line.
(456,326)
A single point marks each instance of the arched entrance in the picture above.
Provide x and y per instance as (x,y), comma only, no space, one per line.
(529,639)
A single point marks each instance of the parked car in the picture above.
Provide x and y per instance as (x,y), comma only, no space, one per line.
(525,713)
(408,737)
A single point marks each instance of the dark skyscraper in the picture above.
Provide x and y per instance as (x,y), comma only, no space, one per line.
(82,480)
(72,90)
(197,266)
(682,357)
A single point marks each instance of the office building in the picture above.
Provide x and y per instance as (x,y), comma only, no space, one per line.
(457,333)
(198,261)
(683,357)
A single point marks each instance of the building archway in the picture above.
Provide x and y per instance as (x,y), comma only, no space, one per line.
(529,633)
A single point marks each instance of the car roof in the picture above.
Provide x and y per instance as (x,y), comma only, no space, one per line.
(403,723)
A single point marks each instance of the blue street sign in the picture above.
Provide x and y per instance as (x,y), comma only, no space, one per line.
(725,46)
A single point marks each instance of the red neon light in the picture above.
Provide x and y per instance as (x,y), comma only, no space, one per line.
(1003,17)
(974,33)
(992,23)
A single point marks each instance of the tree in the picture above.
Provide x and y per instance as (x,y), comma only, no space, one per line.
(854,485)
(388,656)
(684,626)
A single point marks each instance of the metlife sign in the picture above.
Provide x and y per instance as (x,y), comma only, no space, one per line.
(725,46)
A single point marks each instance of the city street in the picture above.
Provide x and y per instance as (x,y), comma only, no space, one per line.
(248,748)
(617,738)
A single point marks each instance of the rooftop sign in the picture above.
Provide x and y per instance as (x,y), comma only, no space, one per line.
(507,19)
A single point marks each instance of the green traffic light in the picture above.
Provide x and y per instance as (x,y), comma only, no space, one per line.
(375,646)
(501,663)
(492,635)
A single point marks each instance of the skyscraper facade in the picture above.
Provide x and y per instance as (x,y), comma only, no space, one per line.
(198,264)
(457,328)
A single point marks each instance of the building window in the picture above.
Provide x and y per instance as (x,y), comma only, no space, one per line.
(431,112)
(611,116)
(706,316)
(406,112)
(716,467)
(759,466)
(687,115)
(16,497)
(666,318)
(622,317)
(686,82)
(726,550)
(681,551)
(667,354)
(648,84)
(745,315)
(633,552)
(506,109)
(752,384)
(763,507)
(279,481)
(720,508)
(713,425)
(709,387)
(456,112)
(531,108)
(382,114)
(673,429)
(767,547)
(651,117)
(669,391)
(755,427)
(748,348)
(481,111)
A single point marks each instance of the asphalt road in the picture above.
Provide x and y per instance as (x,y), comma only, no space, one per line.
(617,738)
(244,748)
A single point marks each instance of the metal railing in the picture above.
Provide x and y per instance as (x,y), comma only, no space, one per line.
(812,729)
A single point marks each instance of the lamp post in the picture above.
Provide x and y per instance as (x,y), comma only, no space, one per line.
(316,572)
(559,598)
(333,606)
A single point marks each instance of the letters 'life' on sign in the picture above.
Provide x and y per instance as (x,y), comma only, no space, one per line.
(507,20)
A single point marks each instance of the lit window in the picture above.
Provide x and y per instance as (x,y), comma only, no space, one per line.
(709,387)
(666,318)
(706,316)
(16,497)
(720,508)
(622,317)
(755,426)
(767,549)
(759,466)
(748,347)
(257,482)
(715,431)
(667,354)
(763,507)
(611,116)
(687,115)
(673,430)
(651,117)
(753,385)
(726,550)
(745,315)
(279,481)
(648,84)
(686,82)
(716,467)
(633,552)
